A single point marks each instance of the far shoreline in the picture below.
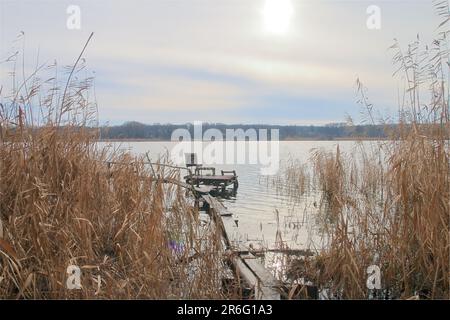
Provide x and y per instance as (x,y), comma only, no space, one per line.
(281,140)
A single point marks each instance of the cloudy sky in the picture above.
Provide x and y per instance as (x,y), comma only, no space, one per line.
(231,61)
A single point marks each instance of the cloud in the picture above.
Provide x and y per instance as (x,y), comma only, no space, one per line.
(167,59)
(155,92)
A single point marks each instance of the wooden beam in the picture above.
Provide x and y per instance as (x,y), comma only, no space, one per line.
(267,283)
(246,266)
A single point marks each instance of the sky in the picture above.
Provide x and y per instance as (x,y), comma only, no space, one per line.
(228,61)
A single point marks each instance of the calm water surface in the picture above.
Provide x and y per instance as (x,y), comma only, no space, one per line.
(260,206)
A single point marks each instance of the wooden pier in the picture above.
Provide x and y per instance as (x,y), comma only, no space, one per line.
(243,262)
(217,183)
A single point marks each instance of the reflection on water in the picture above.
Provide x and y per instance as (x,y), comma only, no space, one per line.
(262,207)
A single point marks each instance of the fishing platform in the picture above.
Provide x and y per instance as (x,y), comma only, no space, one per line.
(208,188)
(205,180)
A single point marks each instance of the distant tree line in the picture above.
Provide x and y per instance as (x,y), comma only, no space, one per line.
(136,130)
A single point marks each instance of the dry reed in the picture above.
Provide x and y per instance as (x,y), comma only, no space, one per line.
(66,201)
(389,205)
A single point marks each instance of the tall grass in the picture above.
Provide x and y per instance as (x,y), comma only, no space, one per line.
(65,201)
(389,205)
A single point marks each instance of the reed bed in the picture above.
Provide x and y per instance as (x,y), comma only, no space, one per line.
(66,201)
(389,204)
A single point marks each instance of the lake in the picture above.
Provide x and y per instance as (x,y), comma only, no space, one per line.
(260,206)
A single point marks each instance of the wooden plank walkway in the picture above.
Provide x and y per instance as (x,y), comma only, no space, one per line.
(246,265)
(267,284)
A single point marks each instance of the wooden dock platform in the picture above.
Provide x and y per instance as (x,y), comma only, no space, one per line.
(245,264)
(219,182)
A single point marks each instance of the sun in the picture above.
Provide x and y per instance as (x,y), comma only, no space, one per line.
(277,16)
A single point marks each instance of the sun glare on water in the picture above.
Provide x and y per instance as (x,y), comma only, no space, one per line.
(277,16)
